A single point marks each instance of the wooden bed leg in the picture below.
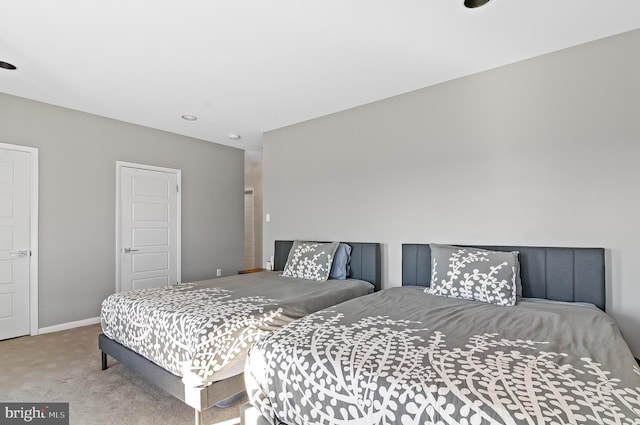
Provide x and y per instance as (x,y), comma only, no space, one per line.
(198,417)
(104,361)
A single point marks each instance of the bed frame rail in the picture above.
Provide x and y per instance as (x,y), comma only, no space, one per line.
(221,393)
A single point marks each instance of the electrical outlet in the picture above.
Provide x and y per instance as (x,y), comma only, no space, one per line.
(219,272)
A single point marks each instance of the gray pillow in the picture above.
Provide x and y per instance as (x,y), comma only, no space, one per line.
(310,260)
(340,266)
(518,280)
(474,274)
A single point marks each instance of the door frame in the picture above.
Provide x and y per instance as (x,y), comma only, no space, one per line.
(178,173)
(33,233)
(252,192)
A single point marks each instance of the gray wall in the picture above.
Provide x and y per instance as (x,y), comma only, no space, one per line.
(541,152)
(78,154)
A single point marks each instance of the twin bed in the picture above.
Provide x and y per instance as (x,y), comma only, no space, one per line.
(549,355)
(496,338)
(191,339)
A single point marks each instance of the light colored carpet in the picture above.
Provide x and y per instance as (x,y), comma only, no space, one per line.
(65,367)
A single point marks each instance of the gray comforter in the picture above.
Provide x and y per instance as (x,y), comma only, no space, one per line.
(401,356)
(199,330)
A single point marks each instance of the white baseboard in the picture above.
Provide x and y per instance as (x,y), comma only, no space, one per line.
(69,325)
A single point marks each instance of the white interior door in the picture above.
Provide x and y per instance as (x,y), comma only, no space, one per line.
(15,196)
(149,224)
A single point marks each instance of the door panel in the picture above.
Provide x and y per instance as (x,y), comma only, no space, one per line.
(158,261)
(149,211)
(150,282)
(148,233)
(6,306)
(15,186)
(146,186)
(150,237)
(6,205)
(6,238)
(6,272)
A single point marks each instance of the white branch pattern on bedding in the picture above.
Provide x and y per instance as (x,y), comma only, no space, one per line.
(464,276)
(188,331)
(379,371)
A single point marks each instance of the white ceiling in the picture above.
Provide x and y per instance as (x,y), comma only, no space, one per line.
(249,66)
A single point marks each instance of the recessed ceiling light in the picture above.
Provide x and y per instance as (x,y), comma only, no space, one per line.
(189,117)
(234,136)
(475,3)
(7,65)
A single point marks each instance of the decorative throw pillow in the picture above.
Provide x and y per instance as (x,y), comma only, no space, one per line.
(474,274)
(340,266)
(310,260)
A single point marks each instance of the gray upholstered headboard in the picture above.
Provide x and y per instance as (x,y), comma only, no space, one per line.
(561,274)
(365,260)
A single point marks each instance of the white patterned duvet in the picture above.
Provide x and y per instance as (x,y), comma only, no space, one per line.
(200,330)
(401,356)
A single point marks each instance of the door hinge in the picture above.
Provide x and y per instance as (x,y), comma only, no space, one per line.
(178,188)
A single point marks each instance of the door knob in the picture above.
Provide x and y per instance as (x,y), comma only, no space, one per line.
(21,253)
(128,250)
